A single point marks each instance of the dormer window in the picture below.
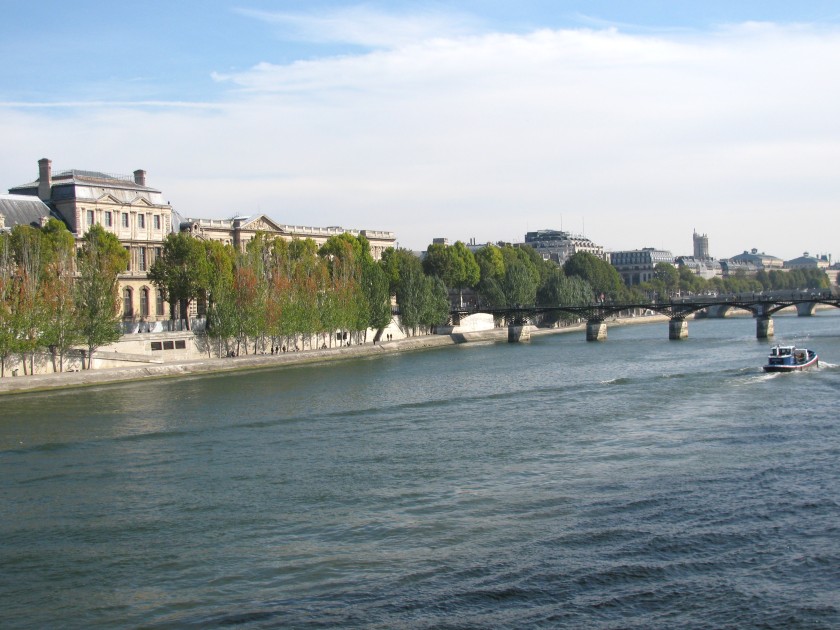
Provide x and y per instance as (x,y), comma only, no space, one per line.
(141,221)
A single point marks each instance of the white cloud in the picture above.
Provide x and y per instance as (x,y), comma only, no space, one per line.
(639,138)
(364,26)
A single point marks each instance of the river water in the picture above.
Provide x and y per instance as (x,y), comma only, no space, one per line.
(634,483)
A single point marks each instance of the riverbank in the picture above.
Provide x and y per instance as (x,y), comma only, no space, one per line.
(89,378)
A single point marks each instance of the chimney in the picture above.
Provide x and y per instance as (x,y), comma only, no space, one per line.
(140,177)
(44,179)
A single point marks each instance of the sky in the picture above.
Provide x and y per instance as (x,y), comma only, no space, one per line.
(632,123)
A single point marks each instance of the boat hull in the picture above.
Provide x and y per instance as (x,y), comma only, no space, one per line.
(813,362)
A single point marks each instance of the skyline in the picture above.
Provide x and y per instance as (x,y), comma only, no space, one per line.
(634,126)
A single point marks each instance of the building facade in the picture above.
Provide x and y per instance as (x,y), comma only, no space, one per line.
(701,246)
(758,260)
(559,246)
(123,205)
(238,231)
(806,261)
(638,265)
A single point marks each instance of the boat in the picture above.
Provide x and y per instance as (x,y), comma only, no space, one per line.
(790,359)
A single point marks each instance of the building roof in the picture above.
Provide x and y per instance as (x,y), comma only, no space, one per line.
(23,210)
(88,178)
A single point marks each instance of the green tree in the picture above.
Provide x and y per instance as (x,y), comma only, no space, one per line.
(455,265)
(181,272)
(61,325)
(668,275)
(100,261)
(559,290)
(601,275)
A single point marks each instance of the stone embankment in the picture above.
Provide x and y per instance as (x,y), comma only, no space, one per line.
(86,378)
(50,382)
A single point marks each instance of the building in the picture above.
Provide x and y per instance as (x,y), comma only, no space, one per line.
(559,246)
(809,262)
(22,210)
(758,260)
(238,231)
(123,205)
(138,216)
(638,265)
(701,246)
(706,268)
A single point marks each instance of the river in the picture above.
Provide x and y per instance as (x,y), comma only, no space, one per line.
(634,483)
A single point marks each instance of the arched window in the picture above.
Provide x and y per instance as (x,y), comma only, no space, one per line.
(144,302)
(159,303)
(128,305)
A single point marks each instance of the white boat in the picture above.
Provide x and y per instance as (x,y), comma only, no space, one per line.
(790,359)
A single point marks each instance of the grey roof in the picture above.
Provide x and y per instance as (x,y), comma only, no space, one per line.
(88,178)
(23,210)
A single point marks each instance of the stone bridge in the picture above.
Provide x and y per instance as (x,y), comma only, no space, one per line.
(762,306)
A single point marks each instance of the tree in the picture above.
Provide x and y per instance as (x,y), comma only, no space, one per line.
(559,290)
(101,259)
(7,291)
(455,265)
(668,275)
(601,275)
(61,325)
(181,272)
(490,262)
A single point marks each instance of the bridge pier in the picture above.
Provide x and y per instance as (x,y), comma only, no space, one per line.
(517,333)
(596,330)
(677,329)
(763,327)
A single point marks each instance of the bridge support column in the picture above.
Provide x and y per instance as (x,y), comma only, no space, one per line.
(677,329)
(596,330)
(763,327)
(518,333)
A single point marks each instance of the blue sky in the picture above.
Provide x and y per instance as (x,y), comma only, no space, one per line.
(634,122)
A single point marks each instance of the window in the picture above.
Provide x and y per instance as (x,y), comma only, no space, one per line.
(141,221)
(141,259)
(157,222)
(128,307)
(158,252)
(180,344)
(125,219)
(159,303)
(129,259)
(109,221)
(144,302)
(90,217)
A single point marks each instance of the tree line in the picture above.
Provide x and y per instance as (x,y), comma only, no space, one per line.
(55,296)
(275,293)
(669,280)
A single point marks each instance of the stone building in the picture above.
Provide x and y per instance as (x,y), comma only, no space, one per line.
(238,231)
(809,262)
(123,205)
(758,260)
(559,246)
(701,246)
(638,265)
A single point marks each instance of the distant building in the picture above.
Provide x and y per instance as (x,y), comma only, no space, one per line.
(809,262)
(559,246)
(238,231)
(637,266)
(706,268)
(732,267)
(759,260)
(701,246)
